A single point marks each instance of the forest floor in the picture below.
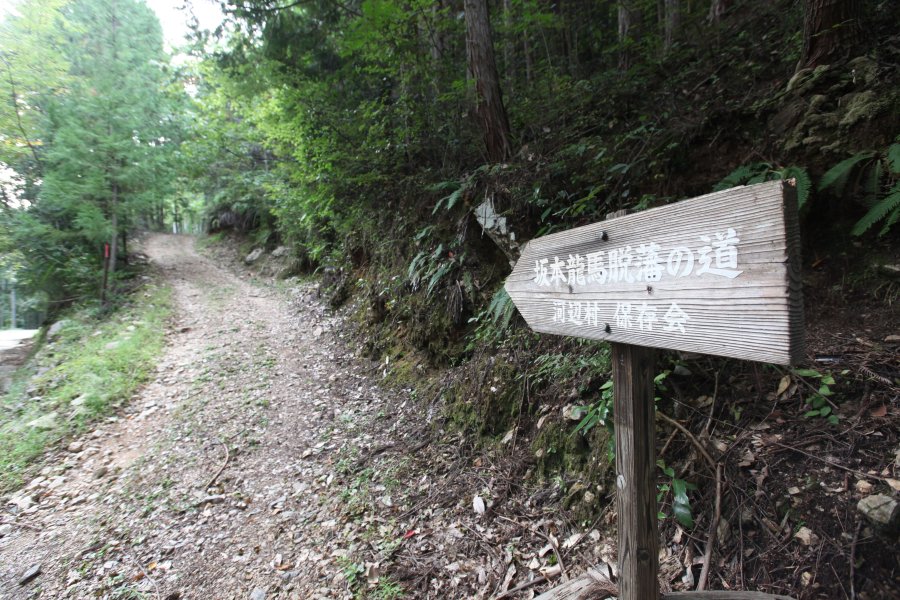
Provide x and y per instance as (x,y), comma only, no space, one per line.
(266,460)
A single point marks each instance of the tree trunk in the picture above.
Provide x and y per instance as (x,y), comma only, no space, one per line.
(717,9)
(483,70)
(526,49)
(673,23)
(830,29)
(12,306)
(629,18)
(114,223)
(509,68)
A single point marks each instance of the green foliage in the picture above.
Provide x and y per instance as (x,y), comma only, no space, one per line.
(599,411)
(501,308)
(94,367)
(434,268)
(836,178)
(593,359)
(872,178)
(887,209)
(98,115)
(760,172)
(681,504)
(818,403)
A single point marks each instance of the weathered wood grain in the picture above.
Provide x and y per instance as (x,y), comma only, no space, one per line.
(757,315)
(595,584)
(633,416)
(592,585)
(589,587)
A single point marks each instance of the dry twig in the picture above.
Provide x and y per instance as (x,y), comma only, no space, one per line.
(853,561)
(831,462)
(713,530)
(694,440)
(147,575)
(712,405)
(222,468)
(528,584)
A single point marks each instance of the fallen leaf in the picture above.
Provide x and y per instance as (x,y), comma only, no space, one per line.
(478,505)
(806,536)
(372,573)
(864,487)
(510,573)
(880,411)
(895,484)
(783,385)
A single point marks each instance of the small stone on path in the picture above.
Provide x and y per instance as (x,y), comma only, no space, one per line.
(882,511)
(258,594)
(32,572)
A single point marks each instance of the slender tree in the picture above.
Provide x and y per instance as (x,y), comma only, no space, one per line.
(717,9)
(628,21)
(489,106)
(672,22)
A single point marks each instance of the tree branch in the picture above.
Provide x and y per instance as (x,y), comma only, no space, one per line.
(277,7)
(15,106)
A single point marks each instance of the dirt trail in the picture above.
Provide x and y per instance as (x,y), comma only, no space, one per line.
(255,370)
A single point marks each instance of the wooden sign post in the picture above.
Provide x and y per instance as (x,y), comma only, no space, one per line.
(718,274)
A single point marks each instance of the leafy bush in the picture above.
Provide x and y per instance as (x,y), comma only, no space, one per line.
(760,172)
(874,179)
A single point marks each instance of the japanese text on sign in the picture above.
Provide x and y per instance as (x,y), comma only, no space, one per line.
(642,316)
(647,262)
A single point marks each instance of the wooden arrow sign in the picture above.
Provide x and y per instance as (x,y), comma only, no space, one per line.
(718,274)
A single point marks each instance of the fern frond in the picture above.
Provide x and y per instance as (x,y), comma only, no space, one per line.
(836,177)
(872,184)
(890,222)
(741,175)
(804,183)
(893,158)
(887,205)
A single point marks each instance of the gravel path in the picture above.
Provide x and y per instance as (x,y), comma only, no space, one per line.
(217,480)
(264,462)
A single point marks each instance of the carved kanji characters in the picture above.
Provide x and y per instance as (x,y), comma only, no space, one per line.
(541,272)
(725,251)
(576,267)
(646,316)
(649,267)
(675,319)
(596,271)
